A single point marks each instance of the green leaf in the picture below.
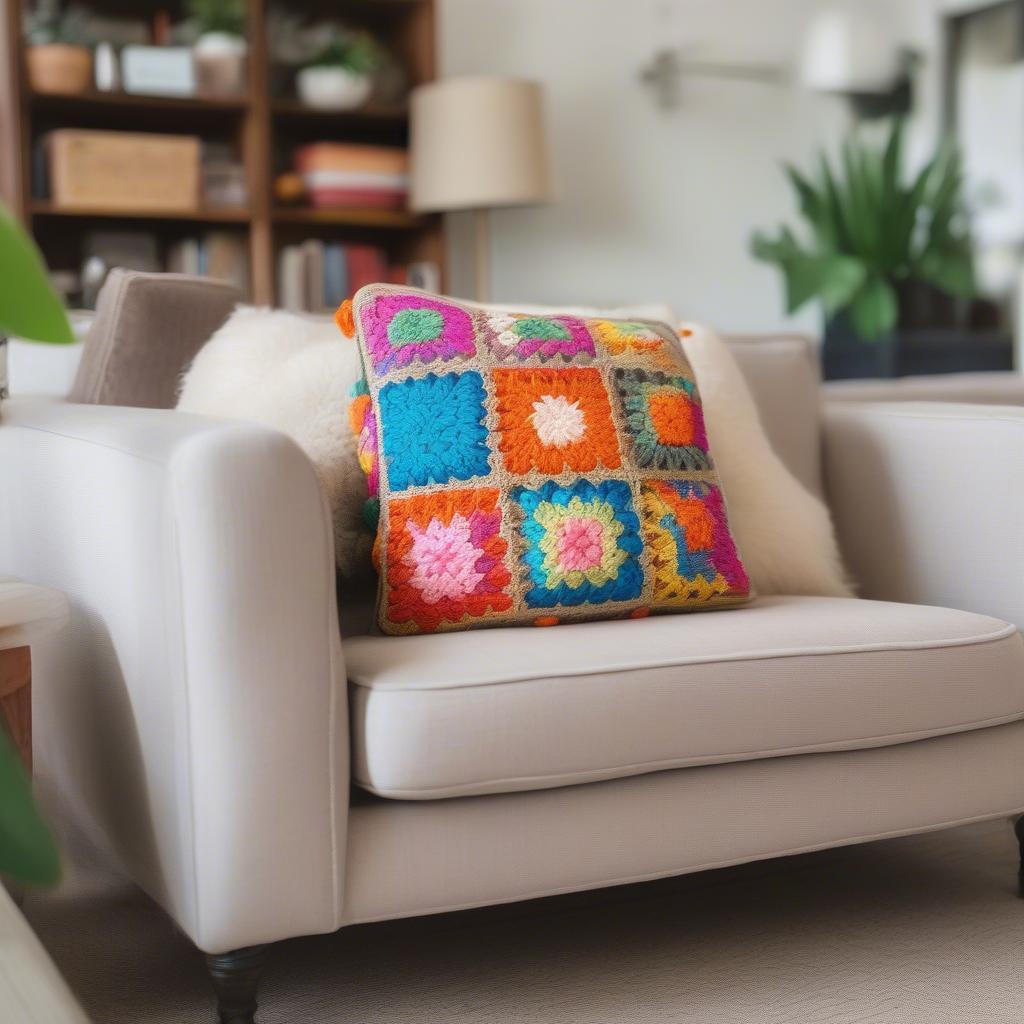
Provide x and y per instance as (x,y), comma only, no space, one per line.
(892,160)
(832,278)
(874,309)
(950,269)
(27,851)
(29,307)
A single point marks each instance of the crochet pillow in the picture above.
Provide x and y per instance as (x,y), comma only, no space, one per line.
(533,469)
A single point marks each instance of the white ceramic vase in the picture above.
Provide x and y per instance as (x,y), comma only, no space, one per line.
(328,88)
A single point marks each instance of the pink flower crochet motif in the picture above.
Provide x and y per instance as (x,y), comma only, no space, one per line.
(579,544)
(444,559)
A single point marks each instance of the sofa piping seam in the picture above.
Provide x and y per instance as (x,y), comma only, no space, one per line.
(586,776)
(1004,633)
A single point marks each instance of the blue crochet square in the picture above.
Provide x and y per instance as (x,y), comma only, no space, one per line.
(432,429)
(580,543)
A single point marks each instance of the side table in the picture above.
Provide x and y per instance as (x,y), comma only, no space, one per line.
(26,613)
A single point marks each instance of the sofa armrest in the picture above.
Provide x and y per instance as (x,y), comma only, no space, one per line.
(928,501)
(195,710)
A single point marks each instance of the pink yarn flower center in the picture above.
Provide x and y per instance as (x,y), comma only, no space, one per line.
(444,559)
(579,544)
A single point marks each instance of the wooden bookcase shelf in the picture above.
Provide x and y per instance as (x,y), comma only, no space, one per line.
(262,128)
(72,103)
(210,215)
(363,217)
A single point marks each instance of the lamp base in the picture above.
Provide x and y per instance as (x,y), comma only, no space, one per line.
(481,255)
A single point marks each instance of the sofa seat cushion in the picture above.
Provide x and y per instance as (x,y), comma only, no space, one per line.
(500,710)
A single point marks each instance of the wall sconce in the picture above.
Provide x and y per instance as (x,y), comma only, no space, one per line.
(848,50)
(667,69)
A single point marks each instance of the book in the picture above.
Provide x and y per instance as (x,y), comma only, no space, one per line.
(335,275)
(291,291)
(313,274)
(366,265)
(226,258)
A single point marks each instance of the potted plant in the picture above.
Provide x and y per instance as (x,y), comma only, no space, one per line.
(29,307)
(887,256)
(220,49)
(58,54)
(28,854)
(340,76)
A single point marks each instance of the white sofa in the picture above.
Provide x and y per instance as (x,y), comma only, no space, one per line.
(263,777)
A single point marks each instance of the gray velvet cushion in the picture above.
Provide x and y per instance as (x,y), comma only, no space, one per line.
(147,329)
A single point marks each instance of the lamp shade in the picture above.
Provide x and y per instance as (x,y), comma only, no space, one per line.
(476,143)
(850,49)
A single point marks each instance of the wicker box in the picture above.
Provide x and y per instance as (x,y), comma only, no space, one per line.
(124,171)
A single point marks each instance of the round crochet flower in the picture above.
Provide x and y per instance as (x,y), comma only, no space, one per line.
(557,420)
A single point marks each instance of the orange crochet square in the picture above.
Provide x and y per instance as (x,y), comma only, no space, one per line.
(672,416)
(445,559)
(553,420)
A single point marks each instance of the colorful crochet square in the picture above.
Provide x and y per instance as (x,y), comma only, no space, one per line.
(516,338)
(402,328)
(619,337)
(554,420)
(533,470)
(445,560)
(663,419)
(364,425)
(580,543)
(433,429)
(692,555)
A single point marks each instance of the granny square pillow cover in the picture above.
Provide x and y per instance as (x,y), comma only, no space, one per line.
(533,469)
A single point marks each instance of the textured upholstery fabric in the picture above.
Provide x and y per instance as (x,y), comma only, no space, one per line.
(997,388)
(440,716)
(407,857)
(146,330)
(927,502)
(785,377)
(194,710)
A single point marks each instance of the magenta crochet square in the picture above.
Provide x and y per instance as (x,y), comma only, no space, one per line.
(402,328)
(517,338)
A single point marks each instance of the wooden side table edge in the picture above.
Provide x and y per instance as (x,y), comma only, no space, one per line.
(16,698)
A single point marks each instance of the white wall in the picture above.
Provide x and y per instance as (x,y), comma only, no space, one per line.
(651,205)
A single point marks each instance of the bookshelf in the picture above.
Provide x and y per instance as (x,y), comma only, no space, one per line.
(262,126)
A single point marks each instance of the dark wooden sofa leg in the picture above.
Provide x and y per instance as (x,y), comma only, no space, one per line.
(1018,828)
(235,976)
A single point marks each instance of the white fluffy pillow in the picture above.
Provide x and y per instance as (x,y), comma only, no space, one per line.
(783,532)
(296,373)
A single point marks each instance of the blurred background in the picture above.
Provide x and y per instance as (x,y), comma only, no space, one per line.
(590,152)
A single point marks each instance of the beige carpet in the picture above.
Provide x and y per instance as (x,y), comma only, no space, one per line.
(925,929)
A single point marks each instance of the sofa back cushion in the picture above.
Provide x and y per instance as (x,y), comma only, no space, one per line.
(784,374)
(147,329)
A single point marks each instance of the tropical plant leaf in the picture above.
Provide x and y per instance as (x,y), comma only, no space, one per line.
(874,309)
(814,207)
(27,851)
(950,270)
(29,307)
(871,228)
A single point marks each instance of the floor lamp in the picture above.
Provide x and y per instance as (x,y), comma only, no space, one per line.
(477,143)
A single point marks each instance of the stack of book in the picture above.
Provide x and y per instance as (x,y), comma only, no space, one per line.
(343,174)
(316,276)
